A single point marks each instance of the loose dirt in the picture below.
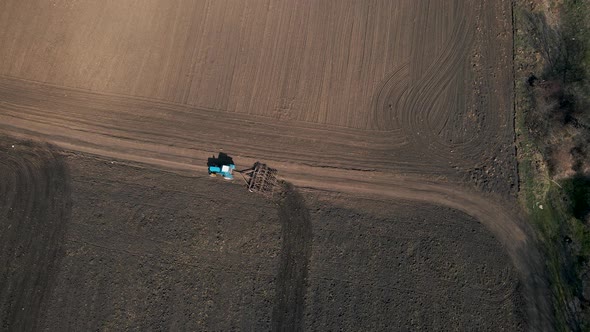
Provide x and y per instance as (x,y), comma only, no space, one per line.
(153,250)
(34,215)
(140,248)
(293,272)
(422,266)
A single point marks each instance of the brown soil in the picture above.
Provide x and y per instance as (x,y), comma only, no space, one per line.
(149,250)
(422,266)
(34,215)
(293,273)
(414,87)
(144,249)
(391,100)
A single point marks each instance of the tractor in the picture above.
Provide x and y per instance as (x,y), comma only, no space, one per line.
(259,178)
(222,165)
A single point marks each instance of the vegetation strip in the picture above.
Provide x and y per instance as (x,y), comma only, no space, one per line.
(552,63)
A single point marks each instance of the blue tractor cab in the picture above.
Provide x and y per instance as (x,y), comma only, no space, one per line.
(225,171)
(222,165)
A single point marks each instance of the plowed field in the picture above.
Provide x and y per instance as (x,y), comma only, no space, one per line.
(381,100)
(98,244)
(379,85)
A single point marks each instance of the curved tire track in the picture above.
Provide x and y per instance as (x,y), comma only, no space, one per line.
(34,211)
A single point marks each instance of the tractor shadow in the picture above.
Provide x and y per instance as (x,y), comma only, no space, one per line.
(221,159)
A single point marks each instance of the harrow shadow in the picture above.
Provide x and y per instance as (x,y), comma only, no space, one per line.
(294,261)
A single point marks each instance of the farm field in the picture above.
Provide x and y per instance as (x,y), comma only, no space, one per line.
(128,247)
(392,120)
(405,79)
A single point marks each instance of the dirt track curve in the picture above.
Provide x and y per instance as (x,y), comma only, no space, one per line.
(425,116)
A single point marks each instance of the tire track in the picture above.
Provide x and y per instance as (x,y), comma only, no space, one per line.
(424,108)
(34,212)
(181,126)
(295,254)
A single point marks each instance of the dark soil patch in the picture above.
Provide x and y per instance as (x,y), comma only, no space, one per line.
(385,266)
(34,213)
(293,268)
